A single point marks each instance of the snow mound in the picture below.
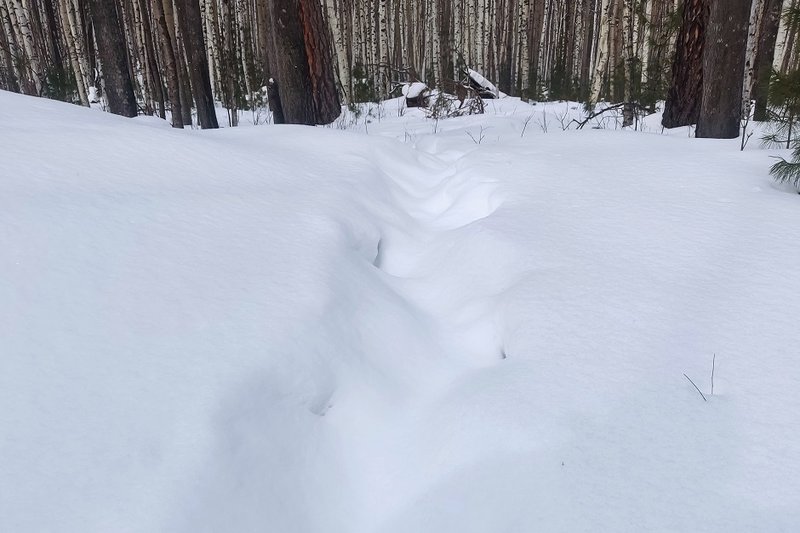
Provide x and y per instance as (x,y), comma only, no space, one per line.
(414,89)
(484,84)
(302,329)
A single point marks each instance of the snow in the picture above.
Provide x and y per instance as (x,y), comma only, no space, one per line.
(395,328)
(414,89)
(483,82)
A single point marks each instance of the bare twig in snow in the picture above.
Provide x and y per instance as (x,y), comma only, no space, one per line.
(713,366)
(479,140)
(635,106)
(525,126)
(695,386)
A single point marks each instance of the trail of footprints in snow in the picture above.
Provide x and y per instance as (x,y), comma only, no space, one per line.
(442,202)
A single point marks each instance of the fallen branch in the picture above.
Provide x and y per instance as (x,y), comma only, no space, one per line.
(636,107)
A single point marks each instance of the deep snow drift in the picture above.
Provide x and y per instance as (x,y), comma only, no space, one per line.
(400,329)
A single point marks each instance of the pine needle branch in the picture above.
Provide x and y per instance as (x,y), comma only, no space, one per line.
(788,171)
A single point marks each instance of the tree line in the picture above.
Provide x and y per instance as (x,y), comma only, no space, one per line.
(179,58)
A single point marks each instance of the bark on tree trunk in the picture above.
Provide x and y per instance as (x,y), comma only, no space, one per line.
(34,76)
(150,59)
(58,85)
(302,63)
(184,87)
(765,55)
(628,63)
(756,14)
(602,51)
(790,29)
(74,52)
(554,46)
(191,25)
(228,62)
(274,99)
(111,51)
(723,68)
(682,107)
(445,21)
(168,54)
(7,50)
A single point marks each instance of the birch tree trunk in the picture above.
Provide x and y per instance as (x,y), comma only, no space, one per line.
(76,50)
(756,14)
(586,43)
(340,45)
(9,49)
(19,17)
(601,64)
(788,30)
(227,60)
(628,62)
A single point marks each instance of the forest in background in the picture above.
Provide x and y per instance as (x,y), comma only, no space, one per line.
(585,50)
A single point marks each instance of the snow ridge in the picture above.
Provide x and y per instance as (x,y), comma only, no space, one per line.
(301,330)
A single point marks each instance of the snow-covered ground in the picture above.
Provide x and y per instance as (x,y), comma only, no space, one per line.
(467,325)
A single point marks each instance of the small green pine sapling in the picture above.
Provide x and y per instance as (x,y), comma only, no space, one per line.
(784,111)
(788,171)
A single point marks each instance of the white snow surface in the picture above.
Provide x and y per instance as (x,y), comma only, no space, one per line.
(296,329)
(478,78)
(414,89)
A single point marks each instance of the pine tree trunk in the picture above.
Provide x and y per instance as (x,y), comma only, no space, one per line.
(262,40)
(113,58)
(445,25)
(723,69)
(54,51)
(302,64)
(657,50)
(682,107)
(191,24)
(184,87)
(154,73)
(168,54)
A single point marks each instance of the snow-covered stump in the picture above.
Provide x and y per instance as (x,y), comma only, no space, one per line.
(416,94)
(485,89)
